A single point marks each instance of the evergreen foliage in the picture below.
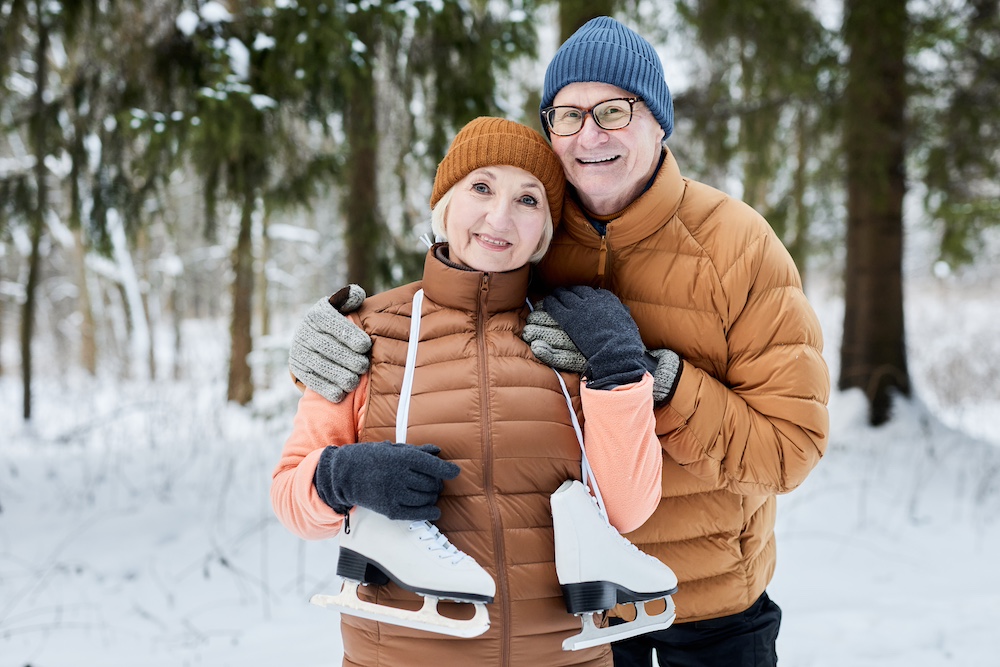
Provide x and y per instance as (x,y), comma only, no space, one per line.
(955,80)
(198,123)
(763,105)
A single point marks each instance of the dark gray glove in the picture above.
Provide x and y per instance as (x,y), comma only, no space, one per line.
(550,343)
(329,353)
(601,326)
(398,480)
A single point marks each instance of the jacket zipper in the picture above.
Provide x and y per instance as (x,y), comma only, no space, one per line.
(487,447)
(602,262)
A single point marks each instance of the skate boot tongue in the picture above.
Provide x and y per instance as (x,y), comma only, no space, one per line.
(436,541)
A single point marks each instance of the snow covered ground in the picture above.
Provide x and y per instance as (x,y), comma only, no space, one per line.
(135,526)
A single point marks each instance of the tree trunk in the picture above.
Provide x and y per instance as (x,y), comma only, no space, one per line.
(38,125)
(363,230)
(28,311)
(79,157)
(799,246)
(2,309)
(139,339)
(148,299)
(574,13)
(88,345)
(241,341)
(262,287)
(176,314)
(263,298)
(755,136)
(873,351)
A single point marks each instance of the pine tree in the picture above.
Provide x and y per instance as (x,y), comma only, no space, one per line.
(762,108)
(238,83)
(956,137)
(31,28)
(873,349)
(440,68)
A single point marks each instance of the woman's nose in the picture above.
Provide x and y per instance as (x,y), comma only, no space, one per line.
(498,216)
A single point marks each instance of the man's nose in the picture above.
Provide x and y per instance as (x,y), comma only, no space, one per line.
(591,132)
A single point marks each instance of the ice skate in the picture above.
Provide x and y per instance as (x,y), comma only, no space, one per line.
(417,557)
(598,568)
(413,554)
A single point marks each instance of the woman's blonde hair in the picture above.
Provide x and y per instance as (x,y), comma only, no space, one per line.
(438,226)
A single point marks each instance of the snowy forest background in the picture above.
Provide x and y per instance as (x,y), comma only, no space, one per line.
(180,180)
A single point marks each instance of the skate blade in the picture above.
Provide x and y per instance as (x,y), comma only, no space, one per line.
(591,635)
(426,618)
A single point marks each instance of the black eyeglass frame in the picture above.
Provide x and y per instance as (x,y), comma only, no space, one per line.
(548,111)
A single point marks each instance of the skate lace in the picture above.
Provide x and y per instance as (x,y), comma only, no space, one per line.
(436,541)
(614,531)
(429,533)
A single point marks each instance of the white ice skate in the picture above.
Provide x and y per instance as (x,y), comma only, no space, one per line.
(598,568)
(417,557)
(413,554)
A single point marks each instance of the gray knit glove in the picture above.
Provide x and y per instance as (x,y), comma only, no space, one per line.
(550,342)
(329,353)
(395,479)
(666,375)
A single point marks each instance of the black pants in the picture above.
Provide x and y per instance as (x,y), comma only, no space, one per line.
(741,640)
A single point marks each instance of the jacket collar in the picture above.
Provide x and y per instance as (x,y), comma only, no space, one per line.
(650,211)
(461,289)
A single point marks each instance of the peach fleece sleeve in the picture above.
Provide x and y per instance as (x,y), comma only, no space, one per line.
(318,423)
(624,452)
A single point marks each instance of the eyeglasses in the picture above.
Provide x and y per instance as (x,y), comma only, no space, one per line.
(609,115)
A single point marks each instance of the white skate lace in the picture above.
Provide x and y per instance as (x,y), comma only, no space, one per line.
(614,531)
(436,541)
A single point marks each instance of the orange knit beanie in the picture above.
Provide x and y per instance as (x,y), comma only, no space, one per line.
(487,141)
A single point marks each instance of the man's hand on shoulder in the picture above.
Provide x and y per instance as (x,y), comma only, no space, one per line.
(550,343)
(329,352)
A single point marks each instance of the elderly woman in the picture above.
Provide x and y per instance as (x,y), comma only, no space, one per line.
(457,422)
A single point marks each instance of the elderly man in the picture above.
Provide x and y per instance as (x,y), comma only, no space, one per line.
(741,384)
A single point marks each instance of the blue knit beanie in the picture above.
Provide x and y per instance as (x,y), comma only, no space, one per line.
(607,51)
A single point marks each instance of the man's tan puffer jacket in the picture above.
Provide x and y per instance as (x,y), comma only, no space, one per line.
(704,275)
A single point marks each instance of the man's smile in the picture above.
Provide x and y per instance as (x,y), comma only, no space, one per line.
(597,160)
